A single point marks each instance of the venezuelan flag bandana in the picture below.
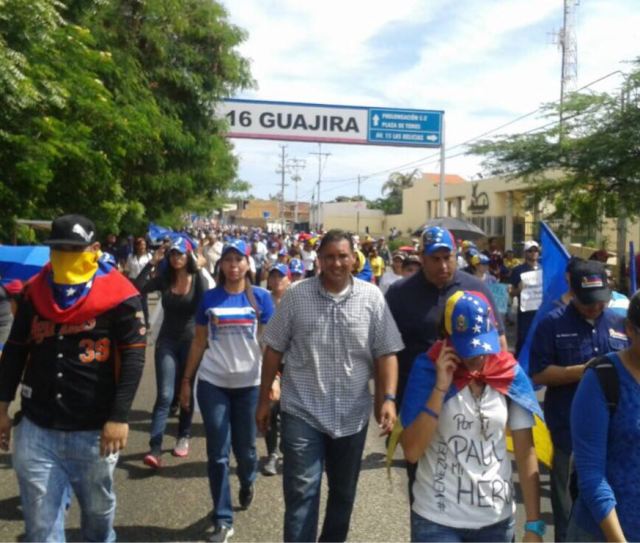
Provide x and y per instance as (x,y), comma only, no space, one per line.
(501,371)
(71,275)
(101,291)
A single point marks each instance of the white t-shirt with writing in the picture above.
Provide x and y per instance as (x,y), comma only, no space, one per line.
(464,477)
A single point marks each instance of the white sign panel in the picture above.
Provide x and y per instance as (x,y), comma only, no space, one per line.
(291,121)
(531,294)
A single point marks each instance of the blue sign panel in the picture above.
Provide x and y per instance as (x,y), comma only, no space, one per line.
(405,127)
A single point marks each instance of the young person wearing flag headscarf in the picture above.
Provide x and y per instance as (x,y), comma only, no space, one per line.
(77,346)
(417,302)
(461,397)
(181,285)
(226,355)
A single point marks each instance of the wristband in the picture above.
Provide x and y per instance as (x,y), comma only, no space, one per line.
(389,397)
(537,527)
(430,412)
(444,391)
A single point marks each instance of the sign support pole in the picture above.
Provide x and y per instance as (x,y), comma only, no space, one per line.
(442,169)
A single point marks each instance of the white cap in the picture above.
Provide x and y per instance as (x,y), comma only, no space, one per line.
(530,244)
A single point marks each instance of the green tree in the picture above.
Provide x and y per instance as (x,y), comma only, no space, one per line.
(107,108)
(392,189)
(588,165)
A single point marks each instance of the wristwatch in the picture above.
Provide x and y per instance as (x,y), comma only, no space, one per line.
(537,527)
(389,398)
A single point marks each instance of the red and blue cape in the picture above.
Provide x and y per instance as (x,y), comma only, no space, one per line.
(501,371)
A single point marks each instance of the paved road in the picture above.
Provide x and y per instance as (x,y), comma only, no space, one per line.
(174,503)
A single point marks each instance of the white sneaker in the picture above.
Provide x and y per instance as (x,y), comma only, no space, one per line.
(221,534)
(182,447)
(271,466)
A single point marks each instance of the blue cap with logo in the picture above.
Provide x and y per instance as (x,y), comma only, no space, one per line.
(469,321)
(180,245)
(235,245)
(296,266)
(281,269)
(435,238)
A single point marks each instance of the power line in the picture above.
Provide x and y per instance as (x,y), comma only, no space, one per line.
(427,160)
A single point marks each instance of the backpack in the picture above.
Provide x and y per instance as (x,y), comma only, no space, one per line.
(610,384)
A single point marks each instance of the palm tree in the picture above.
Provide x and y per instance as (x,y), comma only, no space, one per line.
(394,186)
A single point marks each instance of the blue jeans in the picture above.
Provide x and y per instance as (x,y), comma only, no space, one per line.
(171,357)
(229,422)
(306,453)
(577,533)
(561,501)
(426,530)
(46,463)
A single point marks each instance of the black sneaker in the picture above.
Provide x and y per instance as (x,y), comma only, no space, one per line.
(246,496)
(221,534)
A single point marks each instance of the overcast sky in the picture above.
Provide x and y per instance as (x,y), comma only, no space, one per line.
(483,62)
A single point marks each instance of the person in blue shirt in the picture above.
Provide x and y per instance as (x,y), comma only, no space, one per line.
(606,448)
(564,340)
(227,356)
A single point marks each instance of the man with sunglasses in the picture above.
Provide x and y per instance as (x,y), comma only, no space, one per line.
(77,349)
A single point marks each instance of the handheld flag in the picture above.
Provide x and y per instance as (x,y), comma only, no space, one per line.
(554,259)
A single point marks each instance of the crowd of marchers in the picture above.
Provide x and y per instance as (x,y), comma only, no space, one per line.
(294,361)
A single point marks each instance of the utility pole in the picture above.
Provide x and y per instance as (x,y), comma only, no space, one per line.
(358,204)
(295,165)
(320,154)
(282,170)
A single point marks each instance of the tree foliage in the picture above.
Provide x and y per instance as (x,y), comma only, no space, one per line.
(106,107)
(588,165)
(391,202)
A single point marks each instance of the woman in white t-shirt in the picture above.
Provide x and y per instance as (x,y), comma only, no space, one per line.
(226,354)
(461,397)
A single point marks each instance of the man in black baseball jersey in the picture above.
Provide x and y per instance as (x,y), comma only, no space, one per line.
(77,348)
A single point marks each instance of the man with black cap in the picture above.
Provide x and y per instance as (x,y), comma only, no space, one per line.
(564,341)
(77,347)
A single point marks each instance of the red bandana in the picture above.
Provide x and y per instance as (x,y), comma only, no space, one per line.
(498,371)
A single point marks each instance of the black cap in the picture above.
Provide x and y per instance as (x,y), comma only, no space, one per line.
(589,282)
(72,230)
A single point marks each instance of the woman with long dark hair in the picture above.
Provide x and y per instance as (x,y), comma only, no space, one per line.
(181,286)
(227,357)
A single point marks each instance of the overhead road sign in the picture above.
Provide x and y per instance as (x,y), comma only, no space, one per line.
(323,123)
